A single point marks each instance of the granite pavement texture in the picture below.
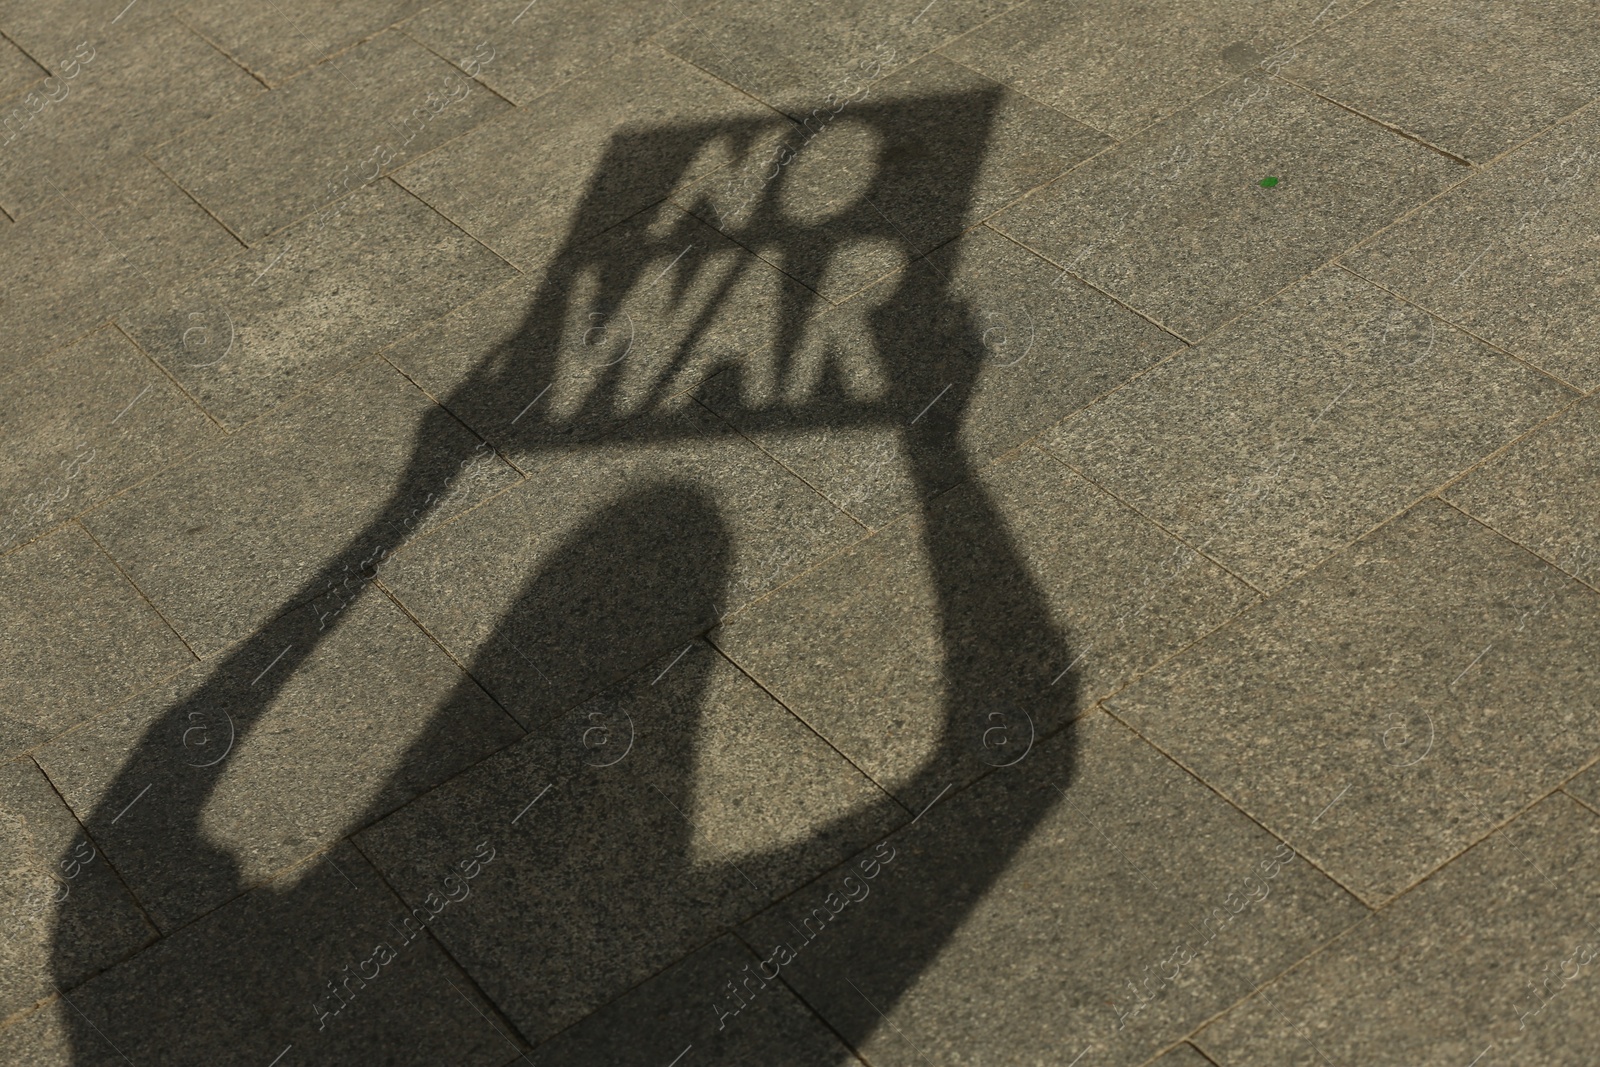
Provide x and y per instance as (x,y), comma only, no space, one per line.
(847,533)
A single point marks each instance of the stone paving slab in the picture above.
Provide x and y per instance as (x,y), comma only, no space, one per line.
(1309,421)
(1474,79)
(347,122)
(1119,72)
(606,558)
(1505,253)
(1049,345)
(48,860)
(228,543)
(47,29)
(1544,491)
(311,299)
(1491,958)
(522,51)
(355,728)
(1016,564)
(516,183)
(257,977)
(83,425)
(1395,706)
(279,40)
(112,96)
(676,1011)
(545,361)
(986,476)
(69,266)
(841,50)
(611,862)
(1135,905)
(78,638)
(1174,223)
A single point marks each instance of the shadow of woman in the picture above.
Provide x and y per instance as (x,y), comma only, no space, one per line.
(639,579)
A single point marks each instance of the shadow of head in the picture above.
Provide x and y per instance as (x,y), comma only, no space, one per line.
(636,579)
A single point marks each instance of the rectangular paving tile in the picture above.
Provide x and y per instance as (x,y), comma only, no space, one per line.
(1306,423)
(1365,714)
(905,389)
(280,39)
(522,51)
(1473,79)
(1093,901)
(601,148)
(1544,493)
(625,835)
(113,96)
(1507,253)
(69,266)
(611,555)
(311,298)
(939,649)
(346,122)
(84,424)
(675,1011)
(46,29)
(1174,221)
(1118,72)
(299,509)
(315,968)
(794,56)
(218,780)
(78,638)
(602,331)
(862,187)
(49,861)
(1488,962)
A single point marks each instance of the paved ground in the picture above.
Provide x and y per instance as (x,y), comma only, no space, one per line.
(666,533)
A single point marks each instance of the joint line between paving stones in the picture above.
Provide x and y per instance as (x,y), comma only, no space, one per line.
(1199,551)
(869,531)
(521,1055)
(1584,804)
(814,1010)
(1493,346)
(101,853)
(1101,705)
(1339,935)
(474,238)
(466,673)
(117,325)
(711,643)
(1513,541)
(177,17)
(135,587)
(1494,827)
(1485,167)
(988,223)
(243,244)
(1396,130)
(328,58)
(398,898)
(426,47)
(1196,1049)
